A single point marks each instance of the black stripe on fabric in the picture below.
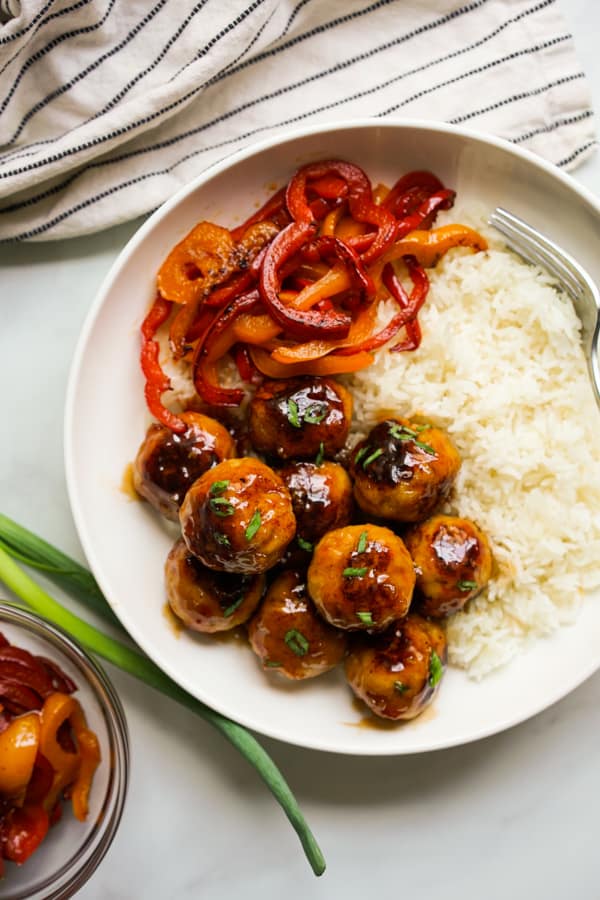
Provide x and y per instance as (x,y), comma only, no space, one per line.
(147,119)
(558,123)
(41,104)
(61,12)
(46,226)
(7,39)
(576,153)
(170,142)
(524,95)
(477,71)
(125,90)
(318,29)
(39,54)
(132,126)
(293,15)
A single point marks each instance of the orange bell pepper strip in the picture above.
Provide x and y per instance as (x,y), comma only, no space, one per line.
(19,745)
(428,247)
(198,257)
(70,768)
(327,365)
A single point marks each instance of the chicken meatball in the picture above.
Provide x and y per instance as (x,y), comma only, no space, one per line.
(287,634)
(321,500)
(402,471)
(167,464)
(398,673)
(453,563)
(238,517)
(205,600)
(300,418)
(361,577)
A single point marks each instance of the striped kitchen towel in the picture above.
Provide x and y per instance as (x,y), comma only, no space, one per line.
(107,107)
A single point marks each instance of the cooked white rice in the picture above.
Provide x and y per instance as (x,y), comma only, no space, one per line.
(501,368)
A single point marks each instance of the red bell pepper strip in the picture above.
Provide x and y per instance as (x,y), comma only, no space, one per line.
(411,305)
(326,245)
(22,832)
(273,210)
(360,201)
(408,186)
(300,324)
(156,380)
(204,359)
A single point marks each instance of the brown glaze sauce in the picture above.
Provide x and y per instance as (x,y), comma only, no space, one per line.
(175,624)
(126,486)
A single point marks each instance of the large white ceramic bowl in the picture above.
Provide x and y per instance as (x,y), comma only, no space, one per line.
(106,418)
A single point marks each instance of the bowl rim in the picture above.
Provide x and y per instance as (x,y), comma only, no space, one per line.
(70,876)
(481,138)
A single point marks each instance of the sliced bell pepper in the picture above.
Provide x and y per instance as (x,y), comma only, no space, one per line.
(24,831)
(157,382)
(196,259)
(19,744)
(327,365)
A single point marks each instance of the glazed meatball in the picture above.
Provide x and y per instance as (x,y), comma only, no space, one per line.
(321,500)
(205,600)
(238,517)
(361,577)
(402,471)
(287,634)
(300,418)
(398,673)
(452,560)
(167,464)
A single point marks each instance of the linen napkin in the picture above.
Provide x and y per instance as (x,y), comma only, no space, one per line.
(107,107)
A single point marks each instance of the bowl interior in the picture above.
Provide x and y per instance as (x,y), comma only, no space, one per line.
(72,849)
(106,419)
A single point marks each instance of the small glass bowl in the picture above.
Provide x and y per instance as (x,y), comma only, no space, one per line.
(72,850)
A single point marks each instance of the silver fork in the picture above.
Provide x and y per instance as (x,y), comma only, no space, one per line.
(536,248)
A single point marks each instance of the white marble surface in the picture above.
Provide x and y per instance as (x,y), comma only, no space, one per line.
(511,816)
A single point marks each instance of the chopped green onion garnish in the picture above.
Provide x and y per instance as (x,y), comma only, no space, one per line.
(305,545)
(436,669)
(353,572)
(222,539)
(375,455)
(401,433)
(292,415)
(221,507)
(365,617)
(361,453)
(315,413)
(426,447)
(467,585)
(272,664)
(400,687)
(320,455)
(231,609)
(217,488)
(420,428)
(362,542)
(253,526)
(296,642)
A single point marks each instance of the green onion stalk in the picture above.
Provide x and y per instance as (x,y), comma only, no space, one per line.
(17,542)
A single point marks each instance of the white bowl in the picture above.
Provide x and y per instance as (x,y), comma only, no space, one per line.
(126,544)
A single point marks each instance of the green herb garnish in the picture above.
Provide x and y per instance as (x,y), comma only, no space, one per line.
(402,433)
(320,455)
(253,525)
(79,582)
(222,539)
(467,585)
(400,687)
(354,572)
(292,414)
(296,642)
(272,664)
(420,428)
(426,447)
(221,507)
(436,669)
(305,545)
(218,487)
(361,453)
(362,542)
(315,413)
(375,455)
(231,609)
(365,617)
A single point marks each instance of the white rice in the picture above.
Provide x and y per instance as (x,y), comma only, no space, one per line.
(501,368)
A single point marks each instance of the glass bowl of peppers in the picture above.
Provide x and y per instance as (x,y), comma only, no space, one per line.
(64,760)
